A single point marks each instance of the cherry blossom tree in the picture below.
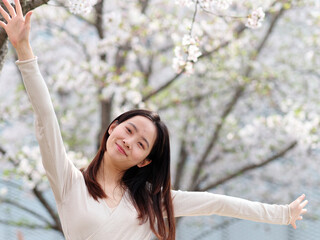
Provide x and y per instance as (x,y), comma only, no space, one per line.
(236,82)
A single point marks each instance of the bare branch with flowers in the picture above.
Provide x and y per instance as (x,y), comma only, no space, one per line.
(238,92)
(281,153)
(189,52)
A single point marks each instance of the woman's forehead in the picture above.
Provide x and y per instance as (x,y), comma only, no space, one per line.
(141,123)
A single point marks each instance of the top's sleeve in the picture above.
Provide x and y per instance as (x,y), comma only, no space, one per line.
(59,169)
(204,203)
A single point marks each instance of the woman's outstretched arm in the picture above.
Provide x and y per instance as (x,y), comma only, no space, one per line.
(59,169)
(204,203)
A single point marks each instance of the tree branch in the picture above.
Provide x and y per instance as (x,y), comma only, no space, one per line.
(2,151)
(198,97)
(238,32)
(236,96)
(73,37)
(18,205)
(229,107)
(250,167)
(99,18)
(239,29)
(50,210)
(23,224)
(43,201)
(144,5)
(255,55)
(183,155)
(161,88)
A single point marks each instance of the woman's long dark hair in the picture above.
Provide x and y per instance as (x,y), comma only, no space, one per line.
(150,186)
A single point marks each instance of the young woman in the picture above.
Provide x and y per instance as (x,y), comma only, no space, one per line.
(125,193)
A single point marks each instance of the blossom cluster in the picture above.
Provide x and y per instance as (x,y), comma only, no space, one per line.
(81,6)
(186,55)
(207,4)
(255,19)
(215,4)
(30,168)
(187,3)
(124,89)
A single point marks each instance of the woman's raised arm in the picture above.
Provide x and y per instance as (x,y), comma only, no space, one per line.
(17,28)
(59,169)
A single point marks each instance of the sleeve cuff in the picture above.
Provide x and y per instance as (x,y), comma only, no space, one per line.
(18,62)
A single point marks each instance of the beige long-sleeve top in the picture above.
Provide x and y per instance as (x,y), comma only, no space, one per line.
(82,217)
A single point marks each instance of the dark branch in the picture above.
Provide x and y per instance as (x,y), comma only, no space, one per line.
(164,86)
(18,205)
(229,107)
(236,96)
(183,155)
(50,210)
(238,30)
(250,167)
(144,5)
(2,151)
(99,18)
(195,98)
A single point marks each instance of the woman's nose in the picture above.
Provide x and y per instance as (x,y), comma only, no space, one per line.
(126,143)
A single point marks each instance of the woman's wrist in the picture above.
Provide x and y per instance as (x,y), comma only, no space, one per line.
(24,52)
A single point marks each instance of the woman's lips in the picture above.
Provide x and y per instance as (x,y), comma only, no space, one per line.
(121,150)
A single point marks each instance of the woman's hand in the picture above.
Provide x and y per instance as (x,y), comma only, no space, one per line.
(297,209)
(17,29)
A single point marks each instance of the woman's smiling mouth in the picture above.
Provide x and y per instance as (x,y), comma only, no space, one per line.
(121,150)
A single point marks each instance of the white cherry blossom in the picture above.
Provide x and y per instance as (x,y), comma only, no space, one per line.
(255,19)
(81,6)
(187,3)
(193,53)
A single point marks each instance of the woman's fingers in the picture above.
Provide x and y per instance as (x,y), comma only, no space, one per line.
(3,25)
(294,225)
(4,14)
(18,8)
(300,199)
(10,8)
(305,202)
(28,17)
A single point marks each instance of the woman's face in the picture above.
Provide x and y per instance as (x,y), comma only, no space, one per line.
(130,142)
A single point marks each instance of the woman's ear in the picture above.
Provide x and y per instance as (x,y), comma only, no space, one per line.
(112,127)
(144,163)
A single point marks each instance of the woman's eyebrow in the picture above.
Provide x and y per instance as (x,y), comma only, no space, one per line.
(135,127)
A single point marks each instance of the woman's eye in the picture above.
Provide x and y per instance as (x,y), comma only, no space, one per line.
(129,131)
(141,145)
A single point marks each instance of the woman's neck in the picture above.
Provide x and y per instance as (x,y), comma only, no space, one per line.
(108,175)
